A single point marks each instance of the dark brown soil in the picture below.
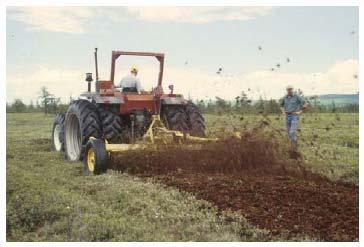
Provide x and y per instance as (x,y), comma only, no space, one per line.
(255,176)
(322,210)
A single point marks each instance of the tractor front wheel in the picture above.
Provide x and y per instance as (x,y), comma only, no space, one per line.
(58,132)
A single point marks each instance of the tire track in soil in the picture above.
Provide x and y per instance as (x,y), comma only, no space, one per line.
(255,177)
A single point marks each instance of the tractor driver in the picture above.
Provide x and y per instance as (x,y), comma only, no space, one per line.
(131,83)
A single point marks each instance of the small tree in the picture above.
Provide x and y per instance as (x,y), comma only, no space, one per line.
(46,99)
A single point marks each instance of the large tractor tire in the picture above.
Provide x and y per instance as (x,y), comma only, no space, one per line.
(175,118)
(196,121)
(111,125)
(82,122)
(58,132)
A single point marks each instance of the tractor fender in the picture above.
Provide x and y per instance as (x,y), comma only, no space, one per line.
(98,99)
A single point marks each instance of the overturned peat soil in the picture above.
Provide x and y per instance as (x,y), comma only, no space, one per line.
(255,176)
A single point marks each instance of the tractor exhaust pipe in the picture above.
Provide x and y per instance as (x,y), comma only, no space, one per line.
(89,80)
(97,73)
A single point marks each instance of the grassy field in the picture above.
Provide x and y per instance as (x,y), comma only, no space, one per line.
(49,200)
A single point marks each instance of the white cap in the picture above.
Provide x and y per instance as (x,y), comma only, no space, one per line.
(289,87)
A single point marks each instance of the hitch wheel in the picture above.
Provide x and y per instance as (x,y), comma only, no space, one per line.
(95,160)
(91,160)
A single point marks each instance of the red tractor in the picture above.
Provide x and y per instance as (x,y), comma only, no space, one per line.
(114,116)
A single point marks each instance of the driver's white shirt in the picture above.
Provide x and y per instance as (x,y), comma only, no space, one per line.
(131,81)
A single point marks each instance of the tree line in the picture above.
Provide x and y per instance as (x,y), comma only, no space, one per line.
(48,103)
(244,105)
(271,106)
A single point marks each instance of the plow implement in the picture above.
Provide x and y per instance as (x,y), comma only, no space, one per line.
(156,139)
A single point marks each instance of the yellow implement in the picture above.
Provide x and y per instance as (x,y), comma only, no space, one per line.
(158,132)
(157,137)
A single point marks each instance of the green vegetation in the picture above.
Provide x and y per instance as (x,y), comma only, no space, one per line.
(49,200)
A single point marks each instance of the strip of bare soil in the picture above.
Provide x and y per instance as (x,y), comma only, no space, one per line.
(255,177)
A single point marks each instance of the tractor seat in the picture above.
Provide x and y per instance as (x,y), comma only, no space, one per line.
(130,90)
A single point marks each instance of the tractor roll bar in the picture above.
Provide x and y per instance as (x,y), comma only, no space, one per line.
(116,54)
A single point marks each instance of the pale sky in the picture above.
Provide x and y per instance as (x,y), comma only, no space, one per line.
(53,47)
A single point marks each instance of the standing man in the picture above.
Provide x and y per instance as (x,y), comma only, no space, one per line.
(292,106)
(131,83)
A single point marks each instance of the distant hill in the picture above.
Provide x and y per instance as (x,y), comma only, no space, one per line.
(339,99)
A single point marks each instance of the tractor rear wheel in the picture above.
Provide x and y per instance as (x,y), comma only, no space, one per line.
(58,132)
(196,120)
(82,122)
(111,125)
(175,118)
